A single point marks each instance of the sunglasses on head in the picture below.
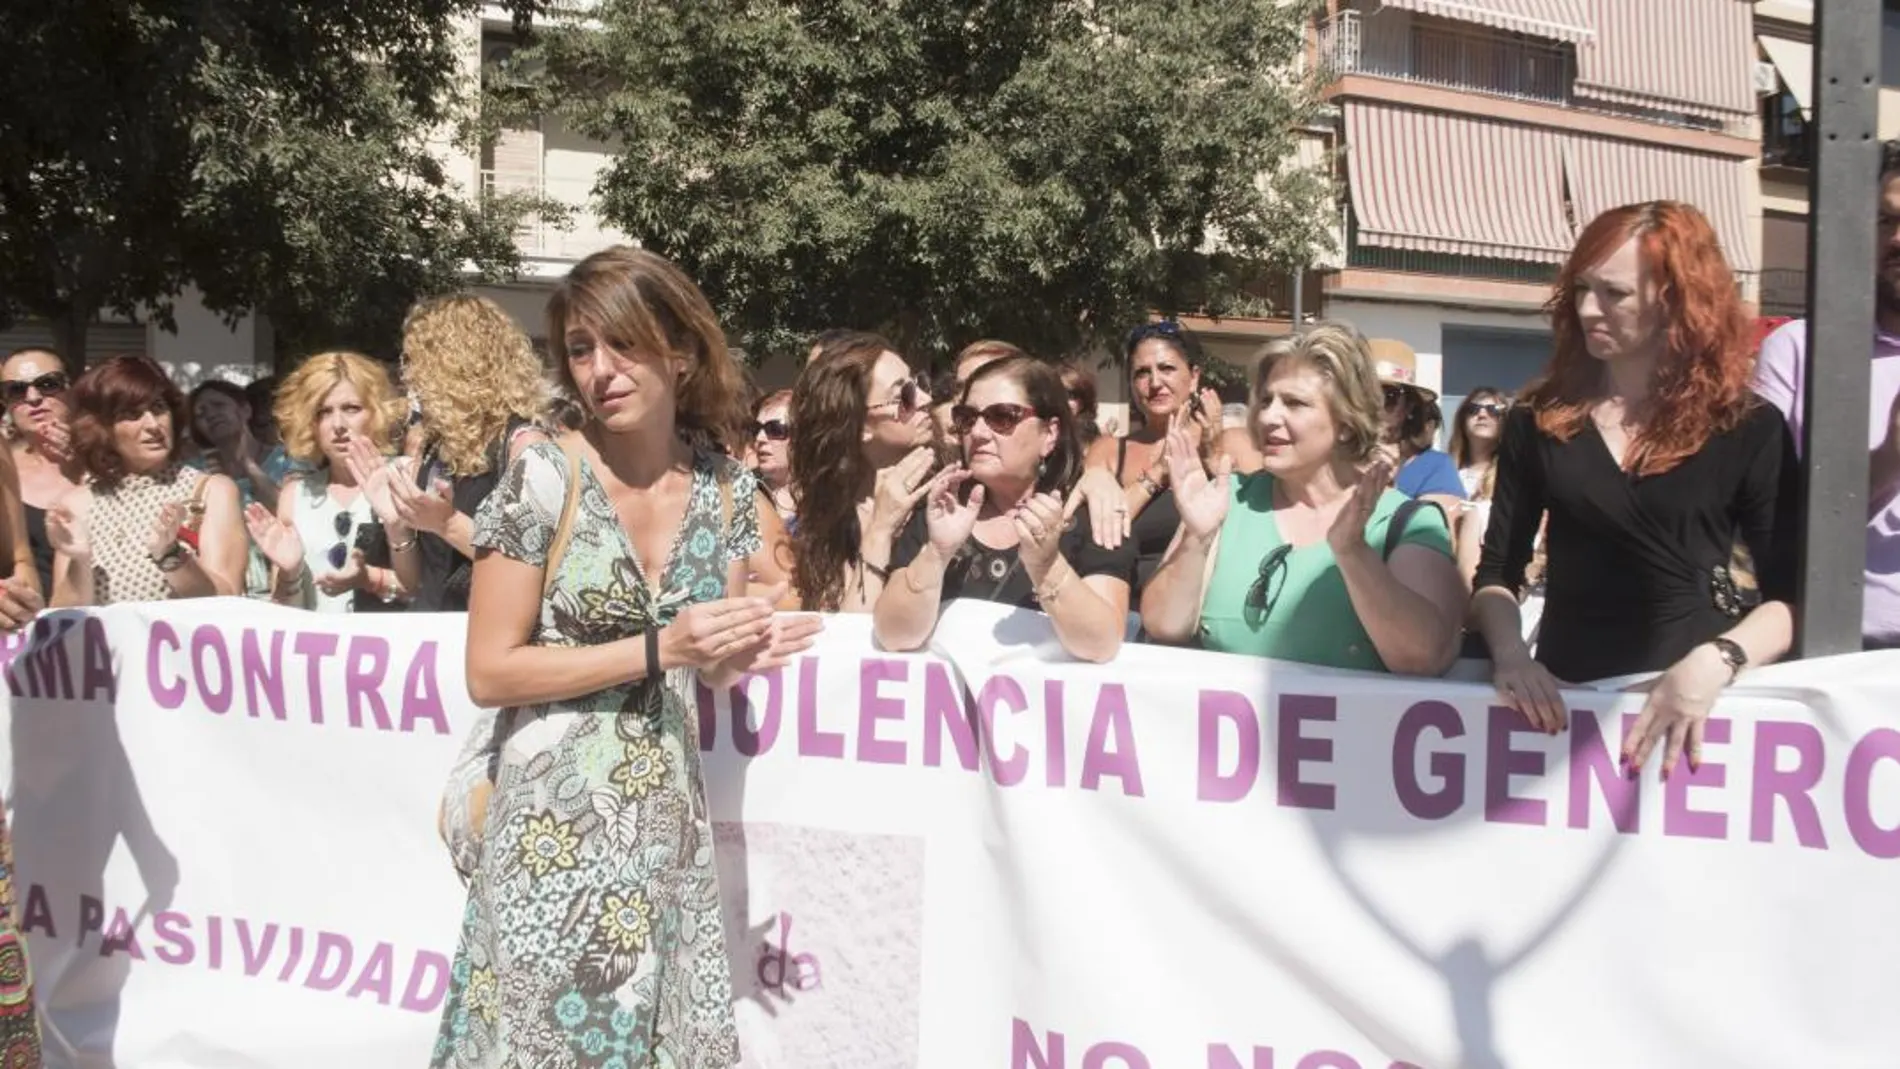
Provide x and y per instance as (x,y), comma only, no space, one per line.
(51,384)
(339,553)
(1490,408)
(776,430)
(1166,328)
(911,396)
(1265,591)
(1002,418)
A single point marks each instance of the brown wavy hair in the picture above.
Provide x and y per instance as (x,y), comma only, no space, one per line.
(303,390)
(124,387)
(641,302)
(830,473)
(1701,388)
(472,370)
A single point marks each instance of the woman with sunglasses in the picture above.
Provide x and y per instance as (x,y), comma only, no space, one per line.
(1475,433)
(1314,558)
(1412,419)
(993,527)
(772,454)
(33,383)
(860,461)
(326,548)
(145,527)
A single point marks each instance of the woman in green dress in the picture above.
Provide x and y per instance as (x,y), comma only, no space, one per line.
(593,934)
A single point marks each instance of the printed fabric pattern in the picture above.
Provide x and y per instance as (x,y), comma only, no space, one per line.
(122,520)
(19,1028)
(593,935)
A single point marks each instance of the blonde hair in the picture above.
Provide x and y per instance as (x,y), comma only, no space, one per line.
(472,369)
(303,390)
(1339,353)
(639,302)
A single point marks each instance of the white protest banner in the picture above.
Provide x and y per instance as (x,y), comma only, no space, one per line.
(225,832)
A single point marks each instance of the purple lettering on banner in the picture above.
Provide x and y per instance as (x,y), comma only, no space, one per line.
(1795,786)
(97,672)
(121,935)
(814,741)
(1447,765)
(314,646)
(1125,1055)
(39,913)
(254,955)
(167,695)
(1220,707)
(1111,749)
(1501,762)
(428,982)
(421,694)
(363,673)
(1879,744)
(263,676)
(49,670)
(1222,1056)
(1001,690)
(946,711)
(378,976)
(296,954)
(1028,1051)
(215,698)
(749,740)
(1295,748)
(1590,762)
(1328,1059)
(1055,760)
(173,933)
(874,707)
(330,965)
(92,917)
(214,931)
(1678,819)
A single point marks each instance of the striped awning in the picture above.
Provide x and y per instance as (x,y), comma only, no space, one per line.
(1794,60)
(1560,20)
(1462,186)
(1693,57)
(1607,174)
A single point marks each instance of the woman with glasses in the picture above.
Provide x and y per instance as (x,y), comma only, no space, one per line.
(860,462)
(1164,390)
(992,526)
(33,383)
(1411,422)
(145,527)
(772,454)
(1475,433)
(326,548)
(1313,558)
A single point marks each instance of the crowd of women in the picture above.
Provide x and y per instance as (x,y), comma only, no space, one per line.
(637,518)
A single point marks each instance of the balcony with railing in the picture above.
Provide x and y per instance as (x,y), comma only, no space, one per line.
(570,234)
(1784,292)
(1431,52)
(1787,139)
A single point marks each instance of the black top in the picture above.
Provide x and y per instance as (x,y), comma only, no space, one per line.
(42,548)
(1152,531)
(445,572)
(1635,565)
(987,574)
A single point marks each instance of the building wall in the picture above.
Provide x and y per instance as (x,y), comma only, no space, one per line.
(1423,327)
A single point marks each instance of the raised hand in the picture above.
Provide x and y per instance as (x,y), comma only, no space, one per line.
(278,541)
(1108,506)
(345,579)
(422,510)
(69,532)
(1038,523)
(164,532)
(947,520)
(900,487)
(1201,498)
(1348,531)
(376,474)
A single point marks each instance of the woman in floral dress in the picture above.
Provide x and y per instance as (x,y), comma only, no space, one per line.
(593,935)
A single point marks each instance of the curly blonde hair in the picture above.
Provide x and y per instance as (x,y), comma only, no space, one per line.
(471,368)
(301,394)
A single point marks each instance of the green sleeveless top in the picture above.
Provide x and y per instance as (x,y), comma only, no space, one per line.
(1268,599)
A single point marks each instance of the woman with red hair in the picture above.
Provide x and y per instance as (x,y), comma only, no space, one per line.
(1651,455)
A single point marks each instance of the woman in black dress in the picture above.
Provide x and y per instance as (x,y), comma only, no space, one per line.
(1646,447)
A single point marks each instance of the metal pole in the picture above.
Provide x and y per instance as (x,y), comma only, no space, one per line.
(1841,250)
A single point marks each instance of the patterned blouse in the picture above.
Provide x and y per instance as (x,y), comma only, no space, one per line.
(121,532)
(593,935)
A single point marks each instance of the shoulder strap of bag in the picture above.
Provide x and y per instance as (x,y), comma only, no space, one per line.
(1401,519)
(564,530)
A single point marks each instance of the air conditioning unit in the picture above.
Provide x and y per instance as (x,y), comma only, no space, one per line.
(1767,79)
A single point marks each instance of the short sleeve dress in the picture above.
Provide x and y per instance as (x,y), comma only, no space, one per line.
(593,935)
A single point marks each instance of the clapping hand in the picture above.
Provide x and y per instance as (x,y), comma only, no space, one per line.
(19,604)
(947,519)
(1201,498)
(1348,531)
(164,532)
(1038,523)
(376,474)
(345,579)
(278,541)
(69,532)
(900,487)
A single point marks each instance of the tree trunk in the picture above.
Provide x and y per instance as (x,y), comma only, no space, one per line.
(69,334)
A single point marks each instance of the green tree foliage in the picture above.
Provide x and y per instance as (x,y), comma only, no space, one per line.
(272,152)
(1048,171)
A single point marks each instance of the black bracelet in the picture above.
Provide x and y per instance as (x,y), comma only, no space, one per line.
(883,574)
(653,653)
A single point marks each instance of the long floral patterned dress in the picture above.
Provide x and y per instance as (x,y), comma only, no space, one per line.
(19,1028)
(593,935)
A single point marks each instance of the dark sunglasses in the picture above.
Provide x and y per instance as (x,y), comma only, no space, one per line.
(1265,591)
(51,384)
(911,396)
(1393,395)
(1490,408)
(1002,418)
(775,429)
(339,553)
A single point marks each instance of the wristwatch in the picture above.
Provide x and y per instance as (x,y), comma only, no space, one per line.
(1733,655)
(171,559)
